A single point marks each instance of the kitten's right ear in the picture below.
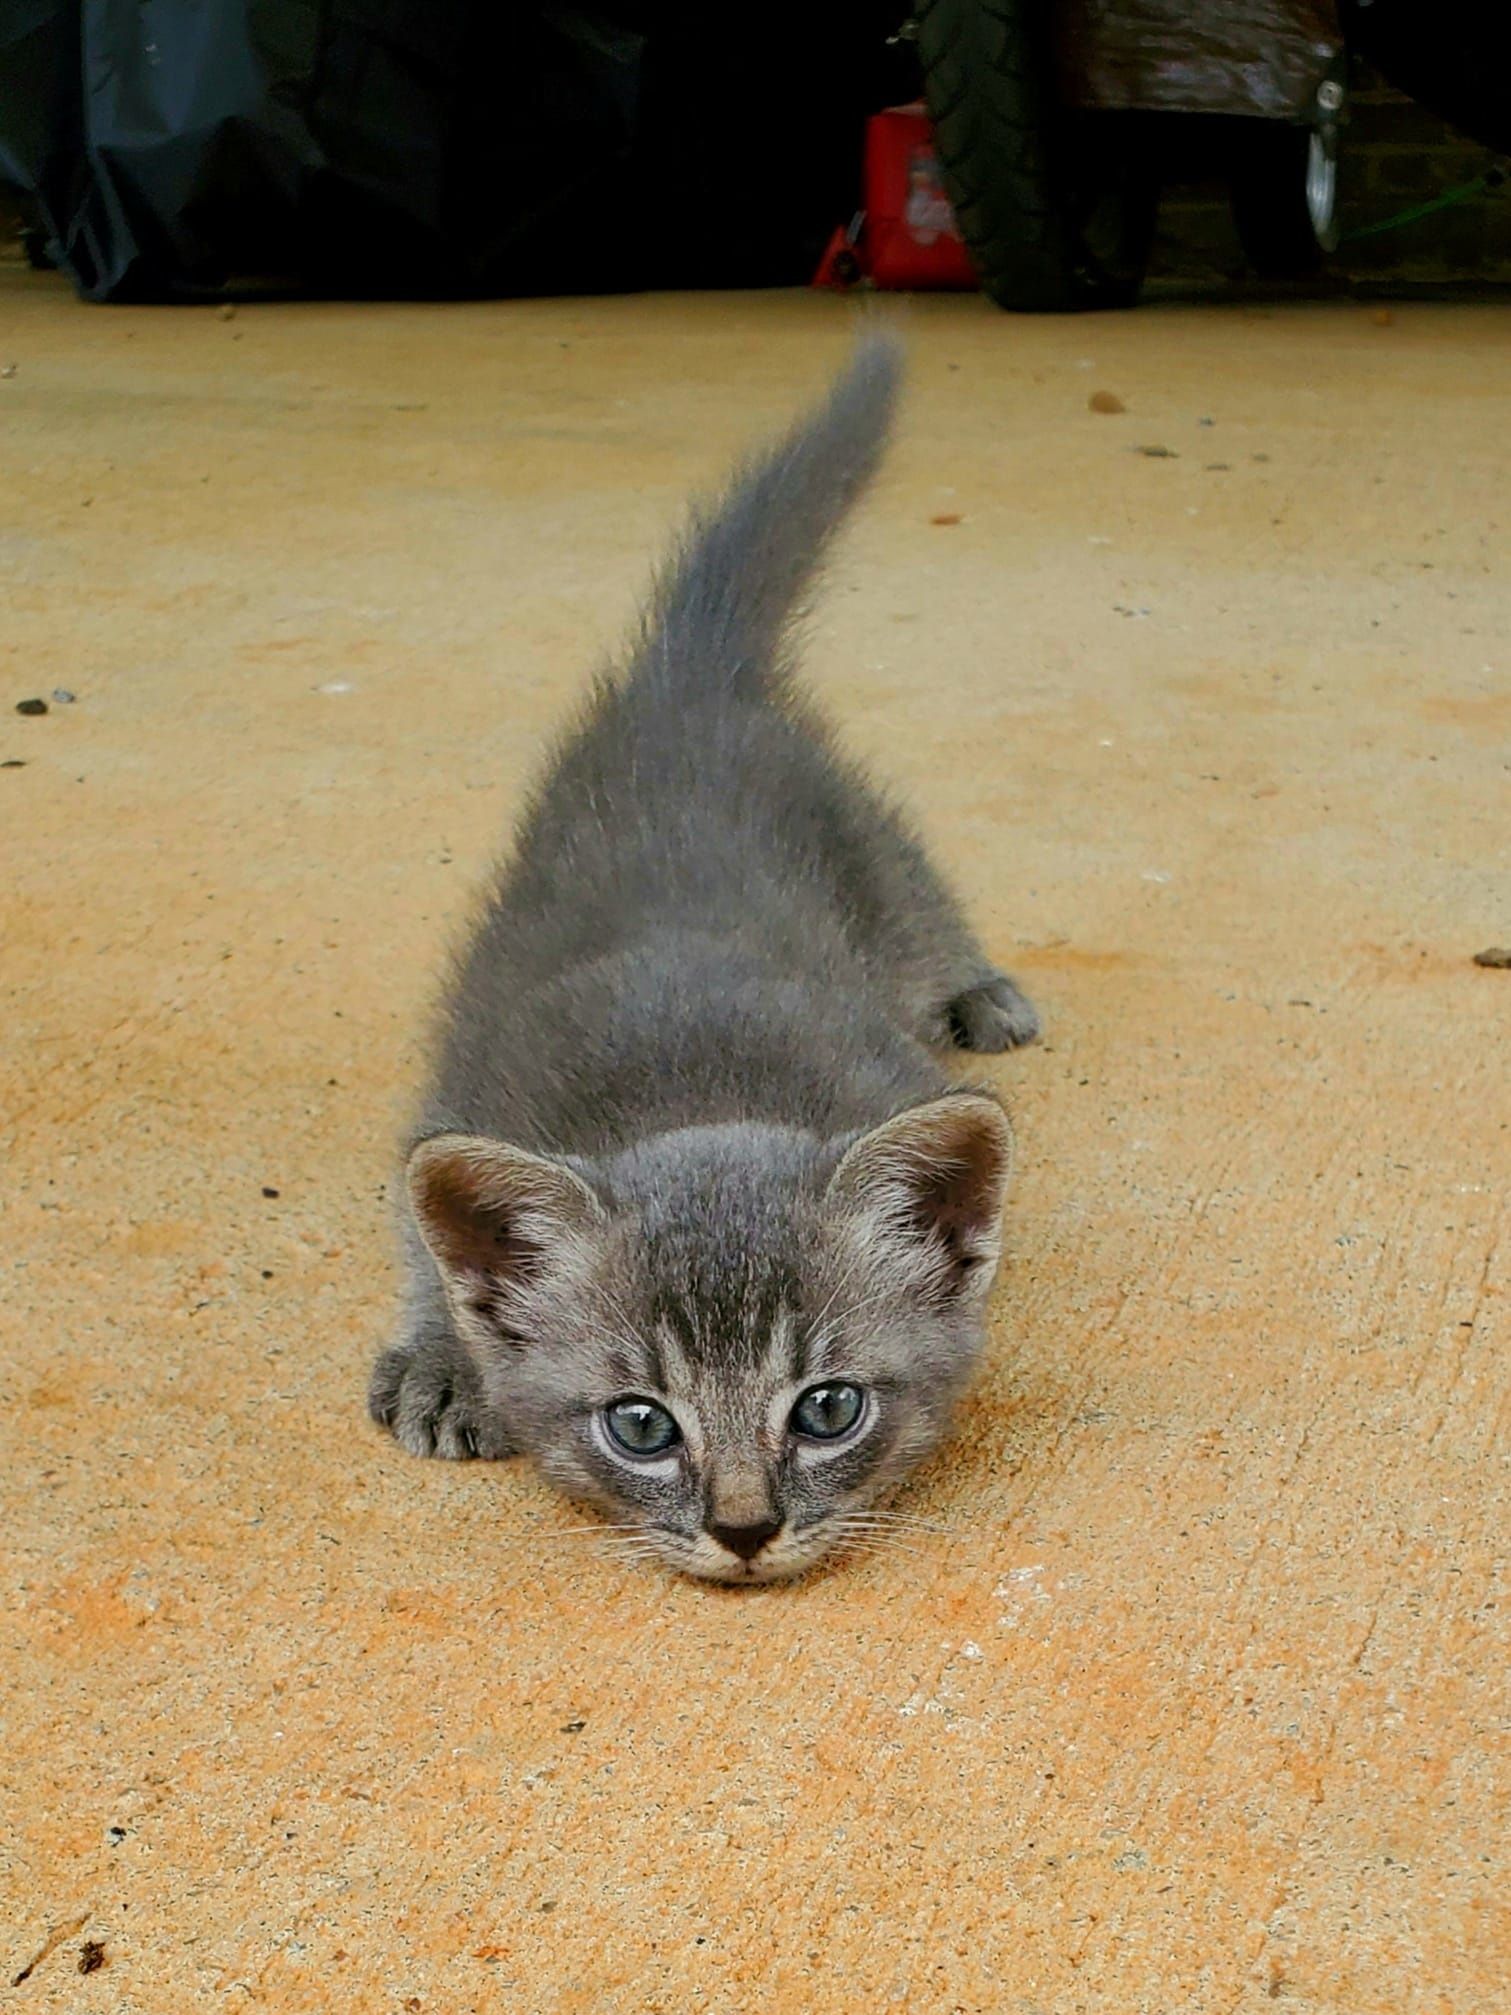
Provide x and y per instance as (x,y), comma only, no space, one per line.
(498,1221)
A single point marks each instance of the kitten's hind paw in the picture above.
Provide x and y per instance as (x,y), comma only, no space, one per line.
(993,1016)
(427,1396)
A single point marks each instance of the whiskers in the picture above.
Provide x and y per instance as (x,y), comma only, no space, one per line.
(867,1533)
(878,1532)
(907,1521)
(623,1541)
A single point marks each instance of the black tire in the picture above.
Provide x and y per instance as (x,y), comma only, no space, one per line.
(1268,179)
(1056,207)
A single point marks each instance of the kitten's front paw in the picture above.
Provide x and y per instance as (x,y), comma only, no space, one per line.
(427,1395)
(993,1016)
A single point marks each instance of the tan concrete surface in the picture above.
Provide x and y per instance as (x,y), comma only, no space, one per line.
(1195,1706)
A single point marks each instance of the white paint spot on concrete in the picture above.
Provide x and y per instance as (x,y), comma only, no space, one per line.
(920,1703)
(1020,1591)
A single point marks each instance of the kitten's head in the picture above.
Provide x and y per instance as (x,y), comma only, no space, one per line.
(734,1339)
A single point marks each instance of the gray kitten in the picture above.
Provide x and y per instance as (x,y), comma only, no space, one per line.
(697,1219)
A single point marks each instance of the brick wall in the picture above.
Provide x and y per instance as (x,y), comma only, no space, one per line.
(1393,154)
(1405,155)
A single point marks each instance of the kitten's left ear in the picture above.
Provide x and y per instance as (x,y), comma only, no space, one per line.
(923,1194)
(499,1223)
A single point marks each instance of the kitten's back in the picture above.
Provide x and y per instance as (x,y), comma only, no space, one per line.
(709,913)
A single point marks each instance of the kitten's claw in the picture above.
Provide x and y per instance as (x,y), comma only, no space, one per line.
(427,1396)
(993,1016)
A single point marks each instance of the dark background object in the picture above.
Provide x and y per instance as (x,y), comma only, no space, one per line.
(1057,206)
(1268,163)
(1057,119)
(1453,56)
(173,149)
(1048,120)
(1252,58)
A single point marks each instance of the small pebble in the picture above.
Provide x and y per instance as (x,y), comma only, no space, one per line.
(31,707)
(1106,402)
(227,311)
(13,763)
(7,370)
(62,695)
(1495,955)
(945,518)
(268,1192)
(1158,452)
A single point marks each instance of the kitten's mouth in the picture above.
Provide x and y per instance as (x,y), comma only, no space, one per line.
(794,1552)
(785,1557)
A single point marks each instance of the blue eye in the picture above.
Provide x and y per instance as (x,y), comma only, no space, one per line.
(825,1412)
(641,1427)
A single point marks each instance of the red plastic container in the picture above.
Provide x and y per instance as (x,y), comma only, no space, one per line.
(906,236)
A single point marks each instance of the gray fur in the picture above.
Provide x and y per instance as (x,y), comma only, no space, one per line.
(688,1137)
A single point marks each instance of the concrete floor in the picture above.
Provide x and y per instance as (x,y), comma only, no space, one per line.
(1193,1707)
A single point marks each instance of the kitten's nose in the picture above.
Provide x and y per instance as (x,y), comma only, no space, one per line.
(746,1540)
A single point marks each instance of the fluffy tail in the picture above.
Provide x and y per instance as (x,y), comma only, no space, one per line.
(721,609)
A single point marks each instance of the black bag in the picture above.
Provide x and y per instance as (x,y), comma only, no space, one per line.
(173,148)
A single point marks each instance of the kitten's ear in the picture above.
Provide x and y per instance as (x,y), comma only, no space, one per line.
(923,1195)
(498,1221)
